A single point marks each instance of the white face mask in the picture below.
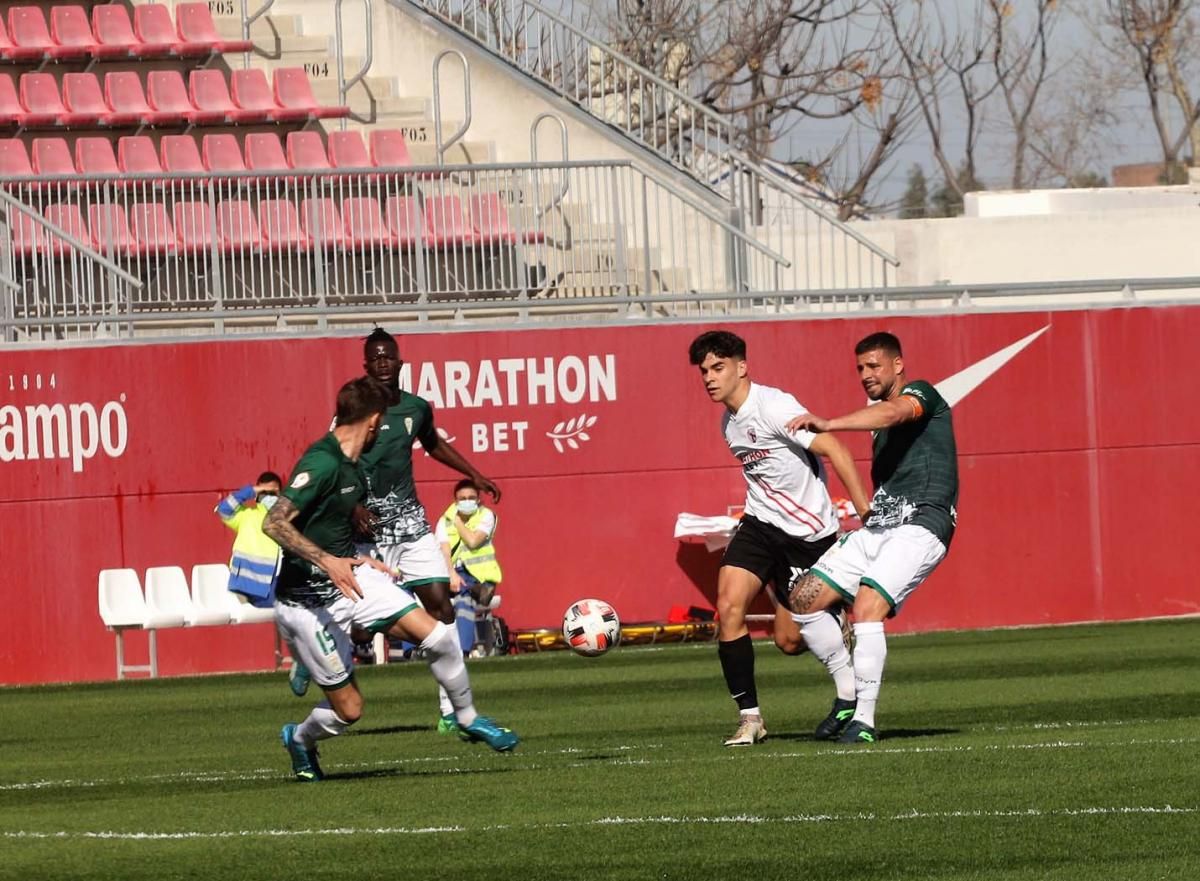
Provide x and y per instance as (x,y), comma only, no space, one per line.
(468,506)
(268,502)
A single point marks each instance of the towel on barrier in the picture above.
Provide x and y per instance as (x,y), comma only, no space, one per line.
(713,532)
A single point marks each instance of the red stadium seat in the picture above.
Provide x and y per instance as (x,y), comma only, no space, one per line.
(293,93)
(179,154)
(265,153)
(43,107)
(444,223)
(11,111)
(194,226)
(70,220)
(95,156)
(14,158)
(364,222)
(138,155)
(167,94)
(114,33)
(322,221)
(31,38)
(70,29)
(152,228)
(347,150)
(489,219)
(252,98)
(280,225)
(153,25)
(109,226)
(123,91)
(83,98)
(305,151)
(28,236)
(52,156)
(7,48)
(237,228)
(222,153)
(194,23)
(389,149)
(210,95)
(404,219)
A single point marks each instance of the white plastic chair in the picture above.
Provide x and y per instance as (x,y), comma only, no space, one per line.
(122,607)
(212,603)
(167,600)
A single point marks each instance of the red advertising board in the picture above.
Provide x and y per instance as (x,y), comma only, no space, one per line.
(1075,448)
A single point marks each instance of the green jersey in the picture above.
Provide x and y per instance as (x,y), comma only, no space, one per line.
(325,488)
(914,467)
(391,492)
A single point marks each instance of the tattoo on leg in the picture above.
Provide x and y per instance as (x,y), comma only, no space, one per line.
(804,594)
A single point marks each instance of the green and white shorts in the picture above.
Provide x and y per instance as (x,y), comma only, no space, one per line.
(419,561)
(320,637)
(893,560)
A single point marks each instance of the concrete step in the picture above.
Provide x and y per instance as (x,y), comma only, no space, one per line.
(230,27)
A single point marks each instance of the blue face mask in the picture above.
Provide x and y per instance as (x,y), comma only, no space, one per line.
(268,501)
(467,506)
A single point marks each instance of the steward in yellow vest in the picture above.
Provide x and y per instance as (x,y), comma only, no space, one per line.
(466,531)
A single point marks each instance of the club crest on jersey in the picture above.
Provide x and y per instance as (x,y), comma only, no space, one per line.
(753,436)
(408,424)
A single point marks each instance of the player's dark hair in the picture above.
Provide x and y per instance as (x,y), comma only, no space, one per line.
(269,477)
(378,335)
(886,342)
(465,483)
(720,343)
(360,399)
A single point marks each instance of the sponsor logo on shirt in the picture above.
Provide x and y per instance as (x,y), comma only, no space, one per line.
(300,480)
(348,489)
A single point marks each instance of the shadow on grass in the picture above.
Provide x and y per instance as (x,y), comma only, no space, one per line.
(886,734)
(390,729)
(395,773)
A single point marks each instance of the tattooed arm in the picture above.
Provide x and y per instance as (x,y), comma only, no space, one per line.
(340,570)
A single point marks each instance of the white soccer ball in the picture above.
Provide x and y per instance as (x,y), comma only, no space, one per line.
(591,627)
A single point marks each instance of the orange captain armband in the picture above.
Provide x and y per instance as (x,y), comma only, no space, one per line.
(915,403)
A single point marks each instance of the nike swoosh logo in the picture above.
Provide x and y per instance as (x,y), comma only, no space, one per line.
(954,388)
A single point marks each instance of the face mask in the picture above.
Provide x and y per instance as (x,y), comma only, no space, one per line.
(468,506)
(268,502)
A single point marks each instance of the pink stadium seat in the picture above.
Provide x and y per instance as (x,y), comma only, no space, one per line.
(167,94)
(280,225)
(14,158)
(7,48)
(137,155)
(253,100)
(194,226)
(322,221)
(293,93)
(152,228)
(404,219)
(194,23)
(95,156)
(265,153)
(70,29)
(210,95)
(364,222)
(52,156)
(153,25)
(84,101)
(444,224)
(389,149)
(123,91)
(179,154)
(31,38)
(114,33)
(221,153)
(489,219)
(11,111)
(70,219)
(347,150)
(237,229)
(43,106)
(28,235)
(109,226)
(305,151)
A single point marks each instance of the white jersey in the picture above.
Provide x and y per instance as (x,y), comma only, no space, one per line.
(785,483)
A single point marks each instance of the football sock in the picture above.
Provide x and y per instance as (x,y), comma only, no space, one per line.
(444,652)
(737,663)
(870,651)
(444,705)
(823,635)
(321,724)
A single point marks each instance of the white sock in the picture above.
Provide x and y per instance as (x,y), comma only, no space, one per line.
(750,711)
(444,653)
(823,635)
(445,707)
(870,651)
(321,724)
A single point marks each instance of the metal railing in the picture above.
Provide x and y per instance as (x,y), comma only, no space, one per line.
(173,250)
(344,85)
(824,251)
(465,126)
(248,19)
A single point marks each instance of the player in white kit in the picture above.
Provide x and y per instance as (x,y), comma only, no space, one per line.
(789,519)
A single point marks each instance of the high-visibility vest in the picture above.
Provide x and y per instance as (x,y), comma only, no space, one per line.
(480,562)
(254,565)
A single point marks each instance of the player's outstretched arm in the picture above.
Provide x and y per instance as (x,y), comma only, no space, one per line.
(885,414)
(842,462)
(445,453)
(279,527)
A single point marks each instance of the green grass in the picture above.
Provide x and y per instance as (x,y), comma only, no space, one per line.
(1029,754)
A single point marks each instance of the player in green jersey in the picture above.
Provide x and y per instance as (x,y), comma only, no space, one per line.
(914,466)
(325,588)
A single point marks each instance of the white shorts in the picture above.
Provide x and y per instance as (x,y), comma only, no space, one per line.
(893,560)
(418,562)
(320,637)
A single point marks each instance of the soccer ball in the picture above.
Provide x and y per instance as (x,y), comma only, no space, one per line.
(591,627)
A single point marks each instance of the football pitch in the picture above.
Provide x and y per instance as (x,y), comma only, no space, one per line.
(1065,753)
